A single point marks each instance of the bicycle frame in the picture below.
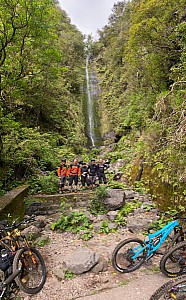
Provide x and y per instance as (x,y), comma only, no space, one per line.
(12,240)
(155,240)
(25,258)
(7,282)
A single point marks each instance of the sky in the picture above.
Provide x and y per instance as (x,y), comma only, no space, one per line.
(88,15)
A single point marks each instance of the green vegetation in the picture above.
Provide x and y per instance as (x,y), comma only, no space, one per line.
(44,241)
(69,275)
(125,210)
(139,60)
(168,216)
(47,184)
(116,185)
(105,227)
(75,222)
(41,78)
(97,205)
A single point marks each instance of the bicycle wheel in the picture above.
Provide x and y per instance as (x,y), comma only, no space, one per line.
(178,238)
(129,255)
(33,270)
(172,263)
(174,289)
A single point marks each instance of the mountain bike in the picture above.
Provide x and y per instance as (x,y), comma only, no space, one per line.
(173,289)
(4,285)
(17,254)
(131,253)
(173,263)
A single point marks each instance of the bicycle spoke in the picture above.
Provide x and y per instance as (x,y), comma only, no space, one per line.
(33,272)
(128,255)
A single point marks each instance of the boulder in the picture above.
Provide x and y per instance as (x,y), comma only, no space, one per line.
(101,266)
(140,221)
(32,232)
(112,215)
(115,199)
(81,261)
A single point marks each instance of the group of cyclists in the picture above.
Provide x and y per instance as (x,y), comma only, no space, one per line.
(87,174)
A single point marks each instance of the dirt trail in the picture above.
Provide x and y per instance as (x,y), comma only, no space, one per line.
(139,289)
(108,285)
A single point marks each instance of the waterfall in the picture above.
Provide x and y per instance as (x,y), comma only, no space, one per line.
(90,105)
(90,110)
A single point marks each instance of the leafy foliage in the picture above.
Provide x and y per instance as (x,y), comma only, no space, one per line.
(75,222)
(105,228)
(125,210)
(97,205)
(168,216)
(142,92)
(41,78)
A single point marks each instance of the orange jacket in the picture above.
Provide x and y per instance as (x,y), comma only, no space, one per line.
(74,170)
(62,171)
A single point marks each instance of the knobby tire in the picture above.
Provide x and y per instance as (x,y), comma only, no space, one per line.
(33,271)
(169,264)
(122,255)
(168,290)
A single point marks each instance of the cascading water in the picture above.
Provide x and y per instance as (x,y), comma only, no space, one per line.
(90,105)
(92,128)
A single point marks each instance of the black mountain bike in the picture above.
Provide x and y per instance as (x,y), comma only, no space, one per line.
(173,289)
(173,263)
(19,260)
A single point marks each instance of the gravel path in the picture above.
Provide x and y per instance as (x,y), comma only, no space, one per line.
(139,289)
(108,285)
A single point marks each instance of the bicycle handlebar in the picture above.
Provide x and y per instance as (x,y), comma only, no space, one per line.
(16,225)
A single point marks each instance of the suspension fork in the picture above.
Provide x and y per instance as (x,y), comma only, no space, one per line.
(34,261)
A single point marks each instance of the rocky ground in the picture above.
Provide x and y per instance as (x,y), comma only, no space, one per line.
(62,244)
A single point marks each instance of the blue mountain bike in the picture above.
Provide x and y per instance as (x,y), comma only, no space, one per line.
(131,253)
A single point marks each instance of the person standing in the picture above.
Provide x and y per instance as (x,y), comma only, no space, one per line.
(74,173)
(62,175)
(92,170)
(101,171)
(84,174)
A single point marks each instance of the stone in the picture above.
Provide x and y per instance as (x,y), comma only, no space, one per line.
(81,261)
(101,266)
(112,226)
(32,232)
(140,221)
(129,194)
(115,199)
(59,273)
(97,226)
(112,215)
(13,203)
(116,167)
